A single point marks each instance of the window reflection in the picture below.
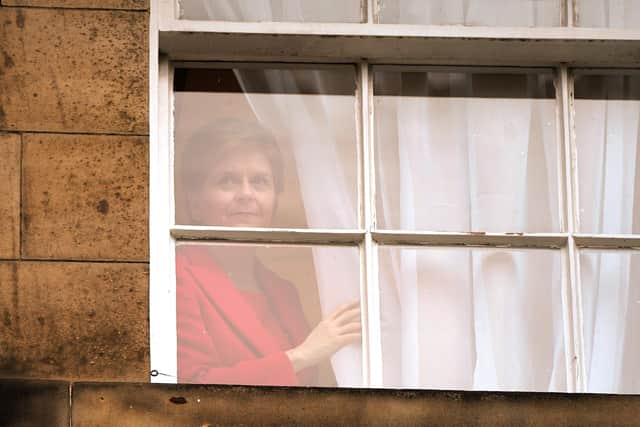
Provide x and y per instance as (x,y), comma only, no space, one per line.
(607,127)
(466,151)
(473,319)
(262,147)
(268,315)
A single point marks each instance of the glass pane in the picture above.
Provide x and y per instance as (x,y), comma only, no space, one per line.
(607,127)
(466,151)
(473,319)
(266,147)
(508,13)
(611,316)
(607,13)
(252,314)
(272,10)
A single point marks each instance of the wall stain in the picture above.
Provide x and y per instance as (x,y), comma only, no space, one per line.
(8,61)
(3,117)
(178,400)
(6,318)
(20,19)
(15,297)
(93,33)
(103,207)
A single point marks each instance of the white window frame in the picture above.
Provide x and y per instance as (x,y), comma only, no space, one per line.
(366,45)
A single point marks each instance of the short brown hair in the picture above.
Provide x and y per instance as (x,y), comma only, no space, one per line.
(194,159)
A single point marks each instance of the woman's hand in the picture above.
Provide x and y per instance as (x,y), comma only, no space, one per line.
(340,328)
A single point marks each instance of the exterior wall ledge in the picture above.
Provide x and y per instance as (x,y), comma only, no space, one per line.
(143,404)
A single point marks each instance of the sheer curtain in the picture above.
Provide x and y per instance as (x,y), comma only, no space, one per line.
(525,13)
(608,13)
(474,319)
(608,143)
(316,125)
(272,10)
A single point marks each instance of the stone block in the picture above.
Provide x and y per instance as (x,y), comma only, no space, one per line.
(74,320)
(86,4)
(34,403)
(73,70)
(85,197)
(9,195)
(157,405)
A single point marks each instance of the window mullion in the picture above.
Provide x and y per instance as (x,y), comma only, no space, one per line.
(371,11)
(372,342)
(570,13)
(574,306)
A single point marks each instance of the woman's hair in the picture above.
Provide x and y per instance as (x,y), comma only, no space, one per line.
(196,156)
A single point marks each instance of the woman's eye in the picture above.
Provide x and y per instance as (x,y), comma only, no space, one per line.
(225,180)
(261,181)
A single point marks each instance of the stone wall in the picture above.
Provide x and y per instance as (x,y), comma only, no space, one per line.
(74,190)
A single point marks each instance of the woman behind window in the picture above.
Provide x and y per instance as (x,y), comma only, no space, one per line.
(237,321)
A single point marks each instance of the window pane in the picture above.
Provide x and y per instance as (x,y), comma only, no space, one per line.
(460,151)
(611,315)
(266,147)
(607,126)
(607,13)
(481,319)
(511,13)
(272,10)
(241,307)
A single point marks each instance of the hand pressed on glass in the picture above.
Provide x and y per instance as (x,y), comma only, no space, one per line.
(340,328)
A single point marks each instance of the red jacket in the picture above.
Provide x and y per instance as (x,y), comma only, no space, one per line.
(220,339)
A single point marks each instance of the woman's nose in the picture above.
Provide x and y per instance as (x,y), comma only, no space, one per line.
(246,189)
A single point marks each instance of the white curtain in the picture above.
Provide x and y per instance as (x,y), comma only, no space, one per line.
(608,13)
(272,10)
(315,126)
(608,143)
(473,319)
(518,13)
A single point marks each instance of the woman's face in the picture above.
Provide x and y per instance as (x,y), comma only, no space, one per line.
(239,191)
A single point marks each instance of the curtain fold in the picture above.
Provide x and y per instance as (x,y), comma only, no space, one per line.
(314,126)
(272,10)
(608,13)
(523,13)
(471,319)
(608,134)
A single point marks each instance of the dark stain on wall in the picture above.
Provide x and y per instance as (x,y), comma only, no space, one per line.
(20,19)
(8,61)
(103,207)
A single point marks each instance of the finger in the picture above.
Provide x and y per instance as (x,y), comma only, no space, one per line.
(348,316)
(350,328)
(344,307)
(350,338)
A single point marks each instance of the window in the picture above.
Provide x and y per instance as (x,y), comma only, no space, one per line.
(469,179)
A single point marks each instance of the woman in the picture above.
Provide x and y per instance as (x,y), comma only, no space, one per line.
(238,322)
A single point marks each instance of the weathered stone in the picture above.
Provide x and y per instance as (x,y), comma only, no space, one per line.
(73,70)
(85,197)
(74,320)
(34,403)
(169,405)
(9,195)
(87,4)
